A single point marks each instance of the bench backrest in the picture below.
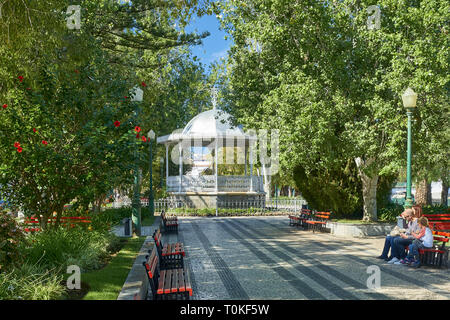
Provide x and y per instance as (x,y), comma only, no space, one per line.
(157,237)
(439,225)
(152,270)
(306,212)
(64,221)
(323,215)
(443,237)
(438,217)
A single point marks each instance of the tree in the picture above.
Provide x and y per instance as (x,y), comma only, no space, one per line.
(333,86)
(68,127)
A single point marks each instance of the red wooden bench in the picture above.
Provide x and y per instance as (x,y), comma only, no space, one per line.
(437,255)
(299,220)
(294,220)
(32,224)
(167,284)
(439,222)
(170,223)
(171,254)
(319,221)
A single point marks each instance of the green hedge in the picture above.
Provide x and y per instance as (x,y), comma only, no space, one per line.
(390,212)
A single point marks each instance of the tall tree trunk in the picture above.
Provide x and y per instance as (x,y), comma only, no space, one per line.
(444,192)
(429,194)
(421,197)
(369,186)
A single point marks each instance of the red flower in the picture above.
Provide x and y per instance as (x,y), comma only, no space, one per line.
(5,106)
(16,144)
(76,71)
(137,129)
(137,136)
(20,78)
(28,89)
(34,130)
(19,149)
(144,139)
(143,84)
(44,142)
(126,97)
(116,123)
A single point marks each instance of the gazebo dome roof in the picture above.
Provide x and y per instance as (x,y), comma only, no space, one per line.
(209,125)
(212,123)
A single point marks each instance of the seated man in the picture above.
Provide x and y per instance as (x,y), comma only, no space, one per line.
(404,240)
(389,242)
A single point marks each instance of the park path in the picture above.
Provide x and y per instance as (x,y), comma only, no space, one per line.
(265,258)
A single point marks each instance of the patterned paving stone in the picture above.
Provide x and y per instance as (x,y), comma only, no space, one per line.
(265,258)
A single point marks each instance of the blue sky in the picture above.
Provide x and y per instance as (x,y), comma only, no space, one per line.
(215,46)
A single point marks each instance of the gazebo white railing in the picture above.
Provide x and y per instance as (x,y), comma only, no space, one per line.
(207,183)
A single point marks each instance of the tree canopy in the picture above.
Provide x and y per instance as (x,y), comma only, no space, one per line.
(332,85)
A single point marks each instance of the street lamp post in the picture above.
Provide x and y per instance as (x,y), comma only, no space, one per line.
(136,203)
(409,102)
(161,162)
(151,200)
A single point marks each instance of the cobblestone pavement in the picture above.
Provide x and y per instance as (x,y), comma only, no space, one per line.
(265,258)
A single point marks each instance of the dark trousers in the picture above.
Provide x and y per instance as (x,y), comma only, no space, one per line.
(398,248)
(414,249)
(388,244)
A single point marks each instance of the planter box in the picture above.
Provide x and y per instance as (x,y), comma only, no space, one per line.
(359,230)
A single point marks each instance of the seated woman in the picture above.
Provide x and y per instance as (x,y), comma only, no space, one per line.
(389,241)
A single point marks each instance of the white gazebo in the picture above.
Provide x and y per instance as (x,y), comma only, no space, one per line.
(213,131)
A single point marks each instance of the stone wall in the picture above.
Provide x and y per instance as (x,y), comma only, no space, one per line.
(360,230)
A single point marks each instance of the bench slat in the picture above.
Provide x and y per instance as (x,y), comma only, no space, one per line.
(181,283)
(161,282)
(168,281)
(187,281)
(175,285)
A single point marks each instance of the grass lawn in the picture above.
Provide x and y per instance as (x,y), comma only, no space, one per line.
(106,283)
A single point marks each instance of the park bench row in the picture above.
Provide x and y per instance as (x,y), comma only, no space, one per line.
(31,224)
(169,223)
(167,275)
(309,220)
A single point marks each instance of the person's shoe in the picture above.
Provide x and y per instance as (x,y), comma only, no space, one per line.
(398,263)
(393,260)
(382,257)
(404,261)
(415,264)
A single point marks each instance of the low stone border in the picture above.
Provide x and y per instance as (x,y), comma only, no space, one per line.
(136,284)
(360,230)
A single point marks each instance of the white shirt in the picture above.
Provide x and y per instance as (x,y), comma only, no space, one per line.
(427,238)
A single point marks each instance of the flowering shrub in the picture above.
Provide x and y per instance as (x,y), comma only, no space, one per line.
(10,236)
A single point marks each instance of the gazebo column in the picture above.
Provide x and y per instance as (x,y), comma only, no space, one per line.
(245,161)
(215,165)
(180,149)
(251,168)
(167,166)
